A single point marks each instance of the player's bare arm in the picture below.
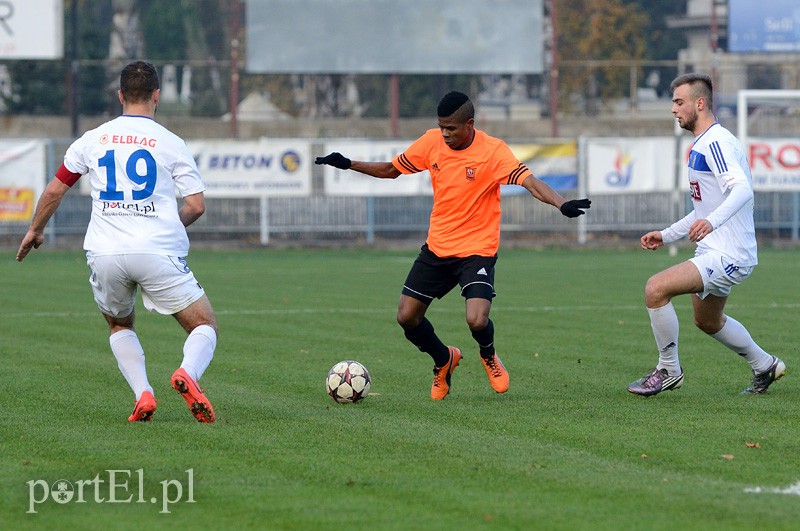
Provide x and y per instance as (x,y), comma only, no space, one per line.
(380,170)
(45,208)
(541,191)
(193,207)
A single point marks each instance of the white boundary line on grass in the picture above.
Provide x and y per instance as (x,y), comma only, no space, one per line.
(307,311)
(791,489)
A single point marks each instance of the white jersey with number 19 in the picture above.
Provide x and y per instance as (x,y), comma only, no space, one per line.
(136,166)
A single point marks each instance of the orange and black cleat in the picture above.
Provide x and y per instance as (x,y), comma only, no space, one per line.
(195,399)
(441,375)
(144,409)
(497,373)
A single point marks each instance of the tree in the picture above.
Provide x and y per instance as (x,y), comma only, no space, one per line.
(598,30)
(40,88)
(663,42)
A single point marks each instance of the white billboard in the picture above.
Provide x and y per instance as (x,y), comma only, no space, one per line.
(351,183)
(22,178)
(630,165)
(775,163)
(263,168)
(395,36)
(623,165)
(31,29)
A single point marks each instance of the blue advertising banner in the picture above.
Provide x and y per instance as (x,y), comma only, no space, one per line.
(772,26)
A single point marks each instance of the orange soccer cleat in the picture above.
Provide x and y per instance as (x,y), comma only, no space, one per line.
(195,399)
(144,409)
(441,375)
(497,373)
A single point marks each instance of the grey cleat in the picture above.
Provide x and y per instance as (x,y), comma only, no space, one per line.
(654,382)
(763,380)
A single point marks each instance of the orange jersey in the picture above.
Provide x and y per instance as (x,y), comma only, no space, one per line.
(466,183)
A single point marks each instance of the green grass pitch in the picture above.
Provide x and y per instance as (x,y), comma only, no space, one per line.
(567,447)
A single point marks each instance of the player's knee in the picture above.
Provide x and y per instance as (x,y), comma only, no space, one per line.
(477,322)
(654,294)
(408,320)
(212,323)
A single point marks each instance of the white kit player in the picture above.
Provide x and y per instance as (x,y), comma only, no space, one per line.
(722,225)
(137,235)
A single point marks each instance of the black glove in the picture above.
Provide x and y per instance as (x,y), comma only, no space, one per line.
(572,209)
(337,160)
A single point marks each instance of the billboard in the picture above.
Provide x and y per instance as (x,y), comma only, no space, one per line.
(630,165)
(22,178)
(640,165)
(395,36)
(31,29)
(259,168)
(772,26)
(555,164)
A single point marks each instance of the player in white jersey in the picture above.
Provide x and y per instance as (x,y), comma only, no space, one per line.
(137,236)
(721,224)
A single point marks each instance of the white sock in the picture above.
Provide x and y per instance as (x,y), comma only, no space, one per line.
(198,350)
(664,322)
(130,359)
(736,337)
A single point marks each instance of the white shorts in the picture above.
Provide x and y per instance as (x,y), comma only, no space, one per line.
(719,273)
(168,285)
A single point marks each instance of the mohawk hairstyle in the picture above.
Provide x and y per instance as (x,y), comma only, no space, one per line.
(700,85)
(452,102)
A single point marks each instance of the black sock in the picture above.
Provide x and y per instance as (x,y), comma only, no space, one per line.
(485,339)
(424,338)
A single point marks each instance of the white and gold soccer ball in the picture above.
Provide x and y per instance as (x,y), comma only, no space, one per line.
(348,382)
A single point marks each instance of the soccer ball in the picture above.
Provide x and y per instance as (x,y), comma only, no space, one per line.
(348,382)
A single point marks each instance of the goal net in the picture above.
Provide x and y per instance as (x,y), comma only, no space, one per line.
(768,113)
(768,126)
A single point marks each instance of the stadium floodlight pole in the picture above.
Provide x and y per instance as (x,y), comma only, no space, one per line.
(553,70)
(233,91)
(73,69)
(714,45)
(394,104)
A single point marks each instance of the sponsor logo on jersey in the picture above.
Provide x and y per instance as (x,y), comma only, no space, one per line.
(118,208)
(128,139)
(694,190)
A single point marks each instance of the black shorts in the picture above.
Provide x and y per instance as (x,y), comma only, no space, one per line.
(432,277)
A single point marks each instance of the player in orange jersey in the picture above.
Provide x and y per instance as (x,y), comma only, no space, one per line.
(467,167)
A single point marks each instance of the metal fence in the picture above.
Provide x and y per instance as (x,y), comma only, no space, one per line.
(322,220)
(327,220)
